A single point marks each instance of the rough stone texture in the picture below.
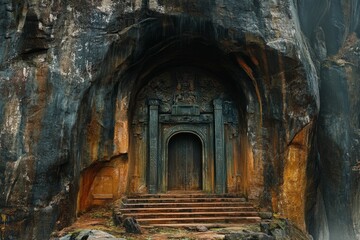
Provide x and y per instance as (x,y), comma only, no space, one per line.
(89,235)
(266,215)
(70,72)
(201,229)
(333,29)
(339,124)
(132,226)
(276,229)
(248,236)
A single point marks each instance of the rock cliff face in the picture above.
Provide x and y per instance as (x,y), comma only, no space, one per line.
(71,71)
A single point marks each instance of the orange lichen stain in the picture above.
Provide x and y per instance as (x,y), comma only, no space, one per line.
(37,107)
(138,159)
(245,67)
(282,78)
(101,183)
(121,136)
(235,169)
(86,180)
(254,60)
(254,170)
(93,136)
(292,196)
(265,66)
(232,170)
(252,55)
(249,72)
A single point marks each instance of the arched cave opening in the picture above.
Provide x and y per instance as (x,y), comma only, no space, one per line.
(198,88)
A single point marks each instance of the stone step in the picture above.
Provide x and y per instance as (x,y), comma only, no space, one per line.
(188,209)
(185,204)
(193,225)
(180,210)
(141,215)
(198,220)
(182,200)
(186,195)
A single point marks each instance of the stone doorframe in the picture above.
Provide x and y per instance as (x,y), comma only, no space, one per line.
(208,127)
(204,133)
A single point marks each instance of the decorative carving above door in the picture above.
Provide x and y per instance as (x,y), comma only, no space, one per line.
(186,87)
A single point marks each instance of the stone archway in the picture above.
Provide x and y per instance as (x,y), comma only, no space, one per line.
(203,134)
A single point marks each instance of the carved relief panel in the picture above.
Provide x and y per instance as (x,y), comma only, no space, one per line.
(184,87)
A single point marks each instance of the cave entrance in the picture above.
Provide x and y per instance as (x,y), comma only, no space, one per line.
(185,163)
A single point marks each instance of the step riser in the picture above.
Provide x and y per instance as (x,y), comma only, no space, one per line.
(190,214)
(185,221)
(183,209)
(192,225)
(194,200)
(182,200)
(201,195)
(193,210)
(182,205)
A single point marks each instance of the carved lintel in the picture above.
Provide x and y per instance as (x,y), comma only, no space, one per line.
(202,118)
(185,110)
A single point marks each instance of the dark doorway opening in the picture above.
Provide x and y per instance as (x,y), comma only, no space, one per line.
(185,163)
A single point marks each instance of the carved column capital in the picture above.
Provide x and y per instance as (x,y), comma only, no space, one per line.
(218,104)
(153,102)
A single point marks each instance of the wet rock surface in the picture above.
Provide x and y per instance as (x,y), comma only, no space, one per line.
(131,225)
(339,129)
(248,236)
(89,235)
(275,229)
(64,64)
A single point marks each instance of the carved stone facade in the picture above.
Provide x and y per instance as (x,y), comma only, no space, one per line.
(184,100)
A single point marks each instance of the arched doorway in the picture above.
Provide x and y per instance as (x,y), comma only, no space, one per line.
(184,163)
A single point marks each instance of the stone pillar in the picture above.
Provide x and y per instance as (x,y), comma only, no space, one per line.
(153,144)
(219,147)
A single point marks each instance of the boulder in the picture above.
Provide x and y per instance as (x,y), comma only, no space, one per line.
(131,225)
(247,235)
(89,234)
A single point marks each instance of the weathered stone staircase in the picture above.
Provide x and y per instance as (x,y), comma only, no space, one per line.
(186,210)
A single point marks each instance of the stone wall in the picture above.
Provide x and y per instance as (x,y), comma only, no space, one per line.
(70,70)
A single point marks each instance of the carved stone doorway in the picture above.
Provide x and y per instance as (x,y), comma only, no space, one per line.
(185,114)
(185,163)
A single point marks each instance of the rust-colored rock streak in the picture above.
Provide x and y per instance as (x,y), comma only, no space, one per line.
(102,183)
(292,197)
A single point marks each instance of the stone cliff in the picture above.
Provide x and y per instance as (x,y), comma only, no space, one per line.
(72,71)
